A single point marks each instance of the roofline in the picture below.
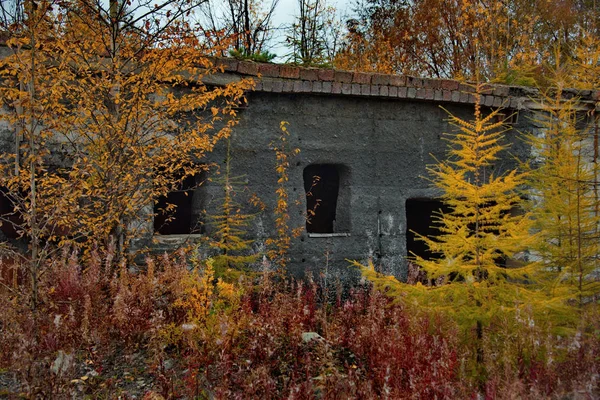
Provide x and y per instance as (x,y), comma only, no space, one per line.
(281,78)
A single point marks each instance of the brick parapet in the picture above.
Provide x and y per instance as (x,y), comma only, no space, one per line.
(295,79)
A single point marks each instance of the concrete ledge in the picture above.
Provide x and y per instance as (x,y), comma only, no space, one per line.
(176,240)
(328,235)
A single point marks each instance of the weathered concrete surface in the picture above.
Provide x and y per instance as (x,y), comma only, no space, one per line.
(384,145)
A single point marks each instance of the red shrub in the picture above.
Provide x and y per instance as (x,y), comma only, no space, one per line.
(368,348)
(99,318)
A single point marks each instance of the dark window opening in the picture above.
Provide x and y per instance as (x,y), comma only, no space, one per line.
(322,185)
(421,219)
(185,218)
(510,119)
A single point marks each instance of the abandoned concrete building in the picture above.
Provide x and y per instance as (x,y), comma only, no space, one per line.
(368,138)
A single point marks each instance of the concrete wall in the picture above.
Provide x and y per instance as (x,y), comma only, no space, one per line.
(384,146)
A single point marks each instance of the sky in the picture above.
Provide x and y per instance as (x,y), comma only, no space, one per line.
(286,9)
(284,16)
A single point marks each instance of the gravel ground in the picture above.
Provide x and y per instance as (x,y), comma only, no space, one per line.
(123,376)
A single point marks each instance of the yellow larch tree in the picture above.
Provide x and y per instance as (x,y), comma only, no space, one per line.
(231,225)
(564,199)
(483,224)
(483,227)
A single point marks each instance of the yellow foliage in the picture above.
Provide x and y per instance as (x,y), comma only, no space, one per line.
(196,294)
(565,198)
(228,292)
(230,226)
(484,222)
(127,106)
(281,243)
(490,40)
(199,293)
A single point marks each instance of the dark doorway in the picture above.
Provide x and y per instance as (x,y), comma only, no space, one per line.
(322,185)
(421,217)
(182,219)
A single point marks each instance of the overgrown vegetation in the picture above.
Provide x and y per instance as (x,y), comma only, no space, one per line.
(564,199)
(183,334)
(506,308)
(494,259)
(230,225)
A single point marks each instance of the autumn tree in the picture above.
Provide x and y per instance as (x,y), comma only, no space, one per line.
(564,198)
(483,224)
(507,41)
(314,35)
(437,38)
(483,227)
(584,64)
(117,91)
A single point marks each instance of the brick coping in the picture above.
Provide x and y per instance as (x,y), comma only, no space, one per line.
(280,78)
(284,78)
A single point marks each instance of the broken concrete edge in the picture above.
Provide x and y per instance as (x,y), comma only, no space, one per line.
(282,78)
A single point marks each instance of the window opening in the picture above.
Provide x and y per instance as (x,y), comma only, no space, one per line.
(185,218)
(510,119)
(421,219)
(10,218)
(321,184)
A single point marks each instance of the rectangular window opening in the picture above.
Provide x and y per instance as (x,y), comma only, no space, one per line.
(421,220)
(186,215)
(327,200)
(11,218)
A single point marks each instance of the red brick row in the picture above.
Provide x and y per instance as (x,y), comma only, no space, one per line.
(294,79)
(276,85)
(330,75)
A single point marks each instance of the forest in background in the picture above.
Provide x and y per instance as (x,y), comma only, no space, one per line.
(95,80)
